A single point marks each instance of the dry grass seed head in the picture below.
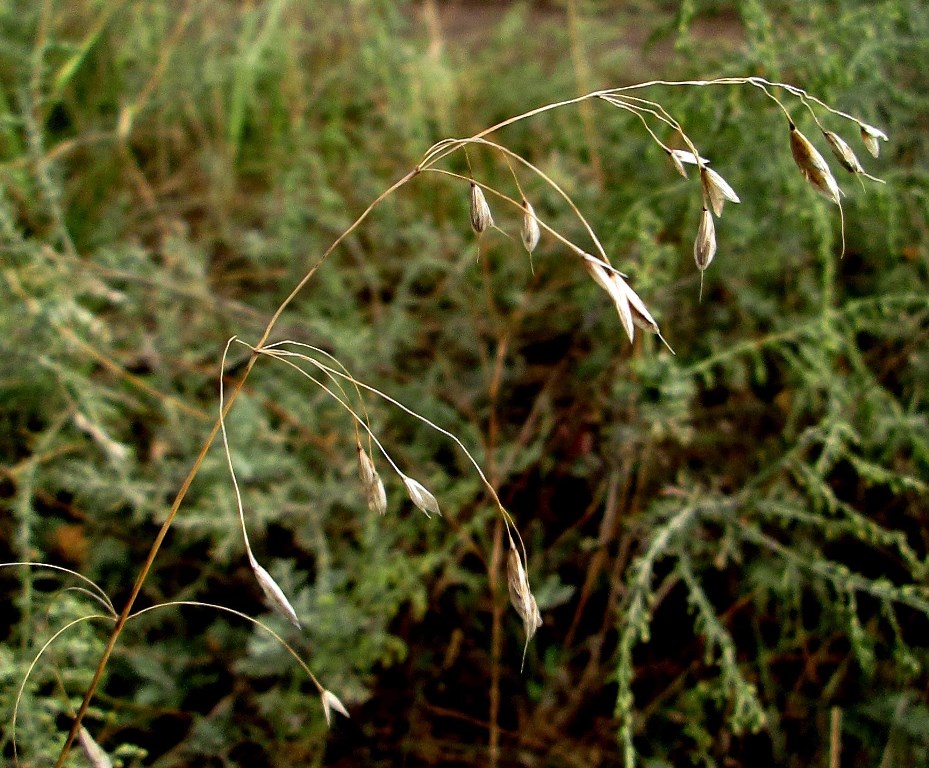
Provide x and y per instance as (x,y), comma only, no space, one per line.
(366,469)
(812,165)
(678,165)
(274,594)
(843,153)
(421,497)
(705,244)
(377,497)
(716,190)
(530,231)
(640,314)
(331,702)
(371,482)
(480,211)
(521,596)
(96,756)
(680,156)
(870,136)
(612,284)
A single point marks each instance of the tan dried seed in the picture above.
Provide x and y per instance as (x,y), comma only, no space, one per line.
(480,211)
(812,165)
(530,231)
(843,153)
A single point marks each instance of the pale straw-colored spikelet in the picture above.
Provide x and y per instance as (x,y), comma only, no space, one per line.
(331,702)
(480,211)
(377,497)
(686,156)
(813,166)
(678,165)
(530,231)
(640,314)
(274,594)
(521,596)
(871,136)
(620,299)
(96,755)
(366,469)
(680,156)
(371,482)
(421,497)
(843,153)
(716,190)
(705,244)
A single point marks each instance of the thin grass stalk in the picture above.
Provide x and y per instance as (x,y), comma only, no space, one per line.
(100,595)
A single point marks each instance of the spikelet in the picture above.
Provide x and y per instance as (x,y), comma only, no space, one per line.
(640,314)
(530,231)
(813,166)
(716,190)
(870,136)
(421,497)
(366,469)
(371,482)
(521,596)
(608,282)
(331,702)
(480,211)
(705,244)
(377,497)
(680,156)
(274,594)
(97,757)
(843,153)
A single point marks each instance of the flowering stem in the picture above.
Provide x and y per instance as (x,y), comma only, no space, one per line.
(195,469)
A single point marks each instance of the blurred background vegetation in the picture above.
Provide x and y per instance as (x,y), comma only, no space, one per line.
(755,507)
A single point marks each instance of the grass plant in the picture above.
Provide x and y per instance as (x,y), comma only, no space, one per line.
(762,486)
